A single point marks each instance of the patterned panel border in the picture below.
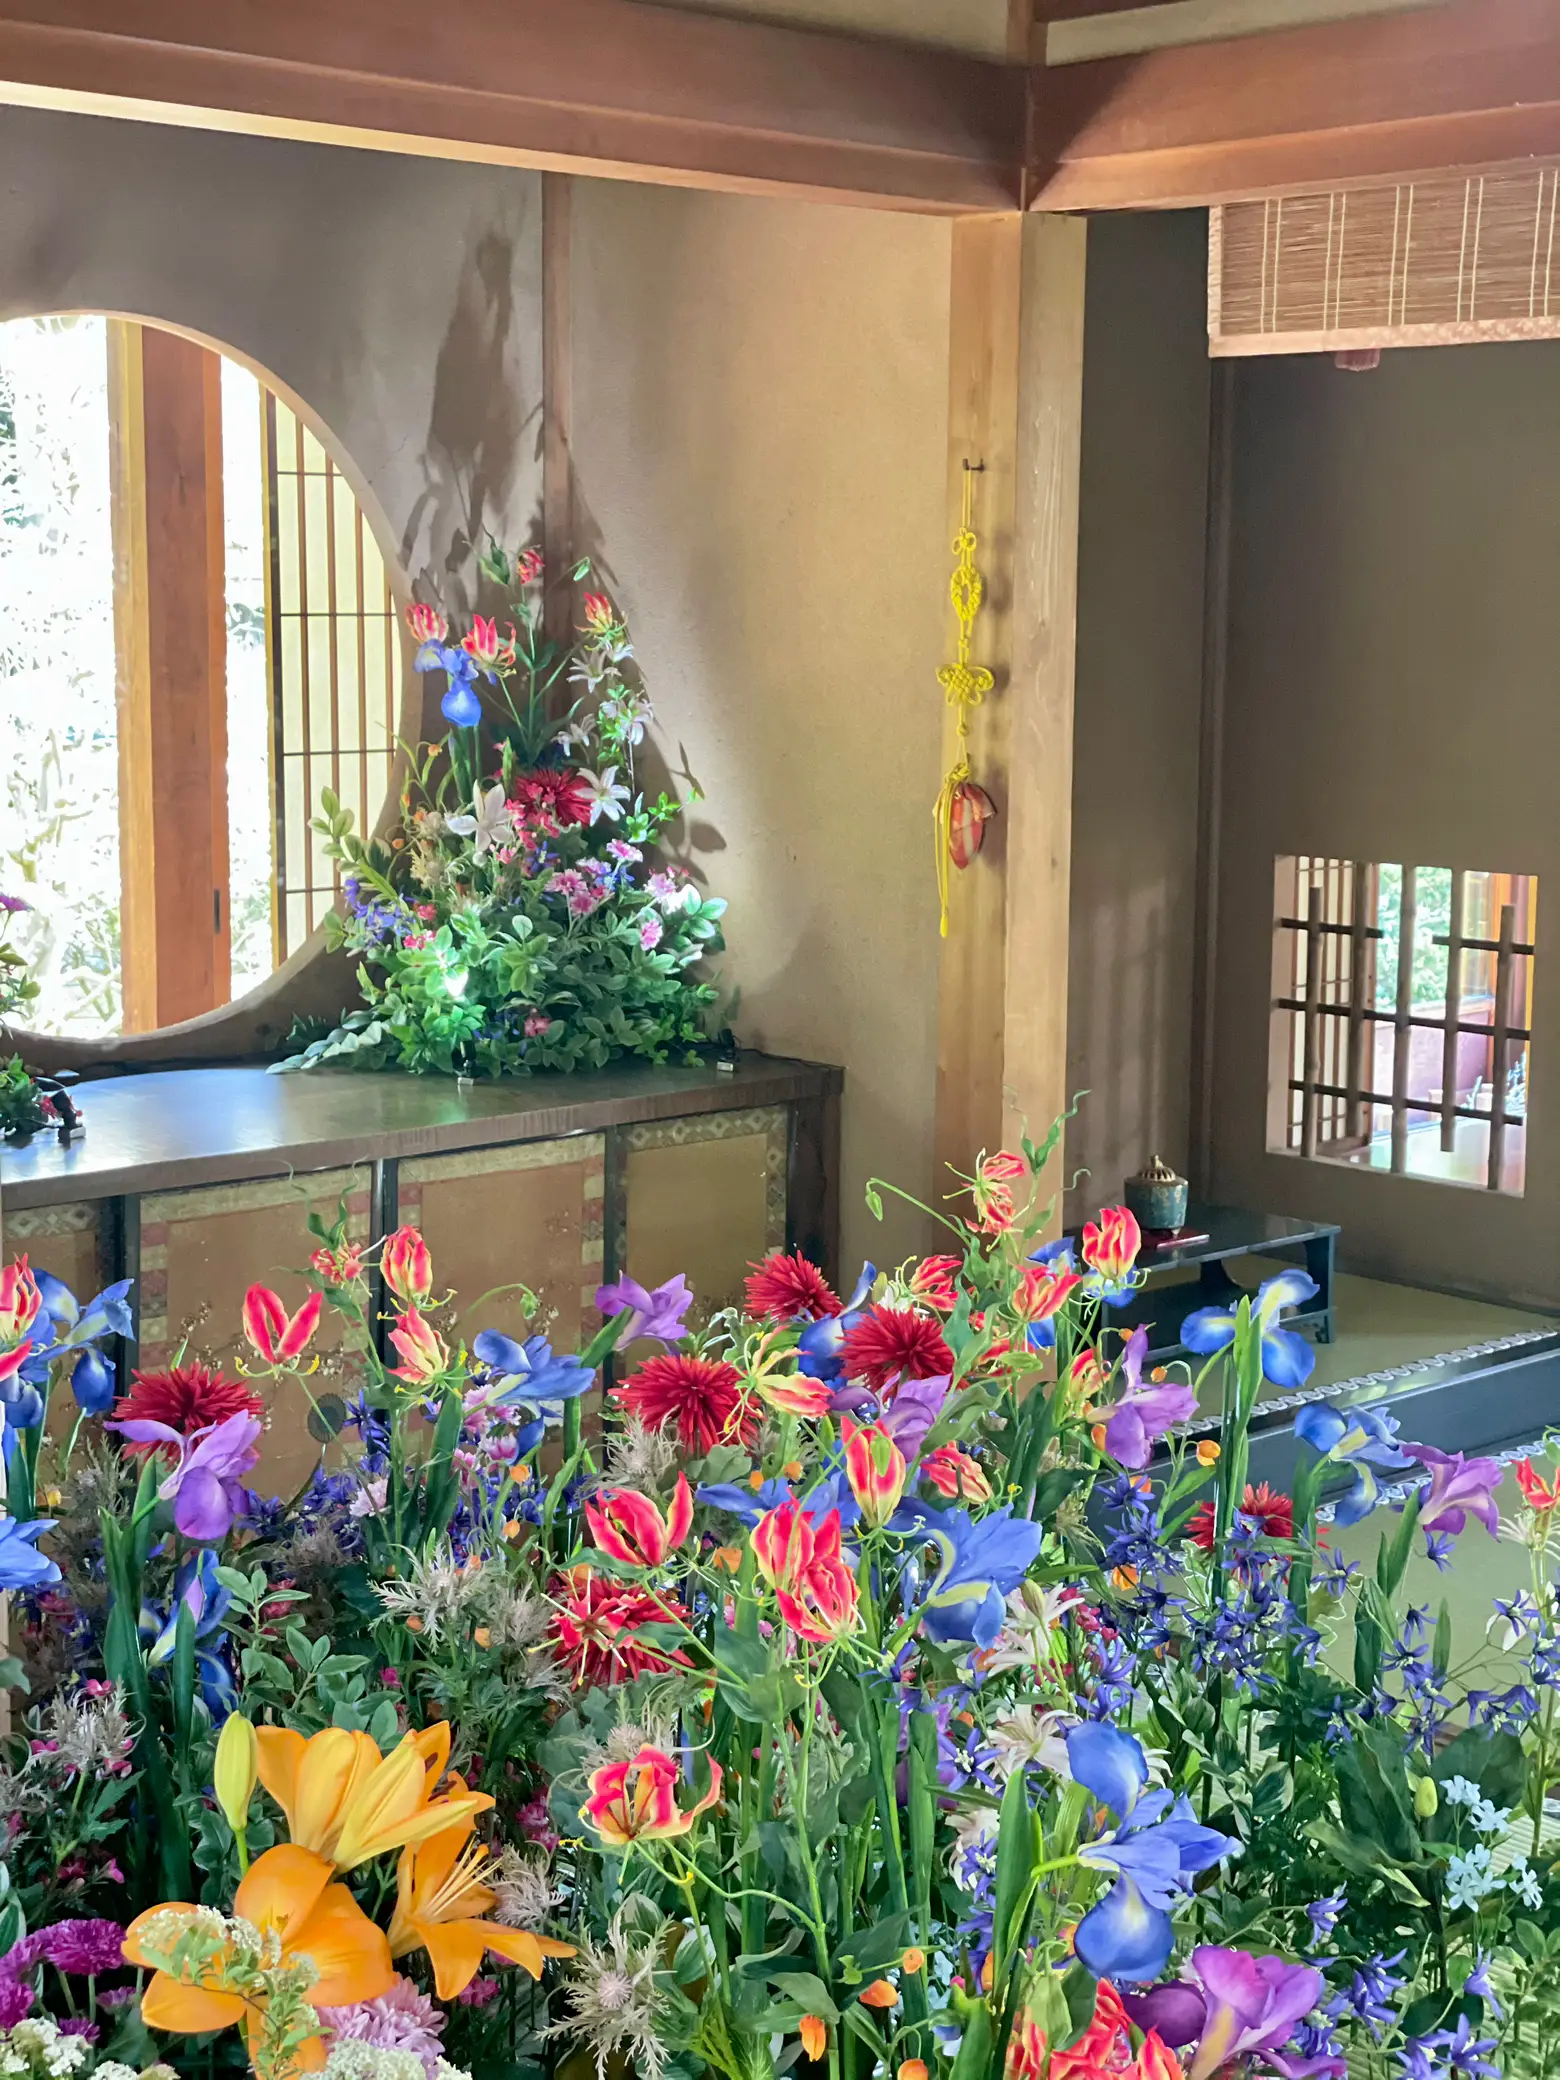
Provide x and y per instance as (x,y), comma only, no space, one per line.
(588,1149)
(772,1121)
(161,1211)
(40,1223)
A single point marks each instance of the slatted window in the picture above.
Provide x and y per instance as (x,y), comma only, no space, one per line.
(336,661)
(1424,263)
(1402,1010)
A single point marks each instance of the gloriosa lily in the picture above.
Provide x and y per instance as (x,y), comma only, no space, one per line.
(636,1801)
(632,1529)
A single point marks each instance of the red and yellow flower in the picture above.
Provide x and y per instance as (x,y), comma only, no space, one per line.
(426,623)
(1541,1496)
(636,1801)
(1042,1291)
(1110,1247)
(407,1267)
(20,1301)
(483,642)
(424,1354)
(954,1473)
(280,1338)
(875,1468)
(805,1566)
(630,1527)
(932,1282)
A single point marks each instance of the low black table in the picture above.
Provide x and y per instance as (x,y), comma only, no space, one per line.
(1230,1233)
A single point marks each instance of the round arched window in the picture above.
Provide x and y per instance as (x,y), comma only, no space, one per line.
(198,633)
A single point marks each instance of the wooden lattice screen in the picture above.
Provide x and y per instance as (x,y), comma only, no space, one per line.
(335,658)
(1361,972)
(1428,263)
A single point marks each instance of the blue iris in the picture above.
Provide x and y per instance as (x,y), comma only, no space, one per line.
(1158,1848)
(460,704)
(982,1563)
(92,1382)
(1361,1441)
(1287,1359)
(820,1343)
(21,1565)
(533,1375)
(73,1328)
(195,1586)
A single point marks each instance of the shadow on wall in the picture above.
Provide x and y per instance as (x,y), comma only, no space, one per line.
(473,458)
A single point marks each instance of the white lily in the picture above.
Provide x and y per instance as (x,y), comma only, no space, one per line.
(607,795)
(491,825)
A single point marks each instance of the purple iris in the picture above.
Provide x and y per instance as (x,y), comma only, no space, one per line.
(21,1565)
(982,1562)
(1459,1488)
(206,1487)
(1158,1847)
(530,1373)
(1361,1441)
(912,1412)
(1287,1359)
(660,1313)
(1144,1414)
(1248,2005)
(197,1589)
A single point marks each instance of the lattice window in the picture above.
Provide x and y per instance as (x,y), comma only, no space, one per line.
(1402,1018)
(335,656)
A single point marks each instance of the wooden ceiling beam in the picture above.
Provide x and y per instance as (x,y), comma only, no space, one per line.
(1463,86)
(607,87)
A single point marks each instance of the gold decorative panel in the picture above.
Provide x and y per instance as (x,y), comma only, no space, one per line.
(705,1196)
(202,1250)
(65,1241)
(495,1218)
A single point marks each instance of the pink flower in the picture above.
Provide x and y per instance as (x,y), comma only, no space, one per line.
(651,931)
(16,1999)
(407,1266)
(620,849)
(20,1300)
(479,1993)
(576,891)
(401,2020)
(422,1349)
(536,1023)
(529,565)
(485,645)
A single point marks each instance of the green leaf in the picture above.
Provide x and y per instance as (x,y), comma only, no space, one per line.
(13,1676)
(1015,1866)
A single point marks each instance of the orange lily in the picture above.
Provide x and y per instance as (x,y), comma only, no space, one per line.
(442,1901)
(347,1802)
(288,1890)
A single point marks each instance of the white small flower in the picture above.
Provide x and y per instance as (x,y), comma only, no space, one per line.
(1488,1818)
(1470,1878)
(607,795)
(1457,1791)
(1525,1885)
(491,824)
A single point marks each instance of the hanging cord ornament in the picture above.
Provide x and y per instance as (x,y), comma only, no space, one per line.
(963,808)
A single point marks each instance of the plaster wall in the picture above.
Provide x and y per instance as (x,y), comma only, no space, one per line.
(399,298)
(760,402)
(1139,696)
(1394,653)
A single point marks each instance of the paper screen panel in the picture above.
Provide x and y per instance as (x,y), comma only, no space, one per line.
(202,1250)
(65,1241)
(1425,263)
(528,1214)
(706,1197)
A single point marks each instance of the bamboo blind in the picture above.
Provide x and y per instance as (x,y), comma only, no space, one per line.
(334,655)
(1428,263)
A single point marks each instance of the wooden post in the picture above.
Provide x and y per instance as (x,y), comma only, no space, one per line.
(1500,1046)
(1015,406)
(1311,1069)
(170,635)
(1403,1032)
(1454,968)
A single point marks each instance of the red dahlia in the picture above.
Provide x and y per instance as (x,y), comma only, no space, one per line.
(790,1289)
(563,796)
(187,1398)
(1275,1514)
(594,1631)
(890,1343)
(700,1395)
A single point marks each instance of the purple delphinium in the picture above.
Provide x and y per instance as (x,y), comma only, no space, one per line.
(1371,1996)
(1324,1914)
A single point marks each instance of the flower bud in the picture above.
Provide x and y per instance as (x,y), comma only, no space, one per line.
(1426,1799)
(236,1771)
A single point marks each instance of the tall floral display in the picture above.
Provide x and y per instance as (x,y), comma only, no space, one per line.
(525,914)
(879,1683)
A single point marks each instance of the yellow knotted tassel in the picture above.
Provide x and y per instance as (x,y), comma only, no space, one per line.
(964,684)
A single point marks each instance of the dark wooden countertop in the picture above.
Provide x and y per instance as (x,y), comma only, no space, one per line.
(181,1127)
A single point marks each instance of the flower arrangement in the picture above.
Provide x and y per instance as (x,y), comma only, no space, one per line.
(23,1107)
(518,919)
(900,1683)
